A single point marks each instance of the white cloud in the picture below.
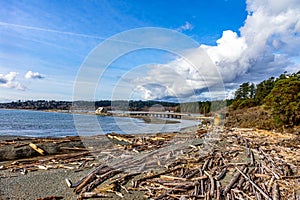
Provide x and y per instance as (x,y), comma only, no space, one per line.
(181,78)
(8,81)
(266,46)
(228,55)
(267,42)
(33,75)
(187,26)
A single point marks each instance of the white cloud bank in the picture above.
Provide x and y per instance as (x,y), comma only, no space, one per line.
(8,81)
(267,41)
(33,75)
(265,46)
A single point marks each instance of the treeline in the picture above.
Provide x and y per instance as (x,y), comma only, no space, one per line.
(87,105)
(38,105)
(203,107)
(125,105)
(280,96)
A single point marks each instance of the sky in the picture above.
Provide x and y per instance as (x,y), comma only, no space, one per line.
(45,45)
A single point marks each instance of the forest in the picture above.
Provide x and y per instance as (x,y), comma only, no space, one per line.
(278,96)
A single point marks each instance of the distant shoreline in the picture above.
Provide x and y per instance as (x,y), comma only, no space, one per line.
(147,119)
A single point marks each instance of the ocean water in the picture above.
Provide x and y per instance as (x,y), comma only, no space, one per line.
(50,124)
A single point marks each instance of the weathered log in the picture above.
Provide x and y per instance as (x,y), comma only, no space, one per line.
(222,174)
(124,179)
(255,185)
(99,180)
(185,186)
(136,182)
(275,191)
(257,195)
(234,179)
(205,164)
(37,149)
(252,158)
(212,183)
(92,195)
(219,191)
(95,171)
(270,184)
(201,182)
(242,179)
(86,181)
(199,178)
(196,189)
(192,174)
(166,177)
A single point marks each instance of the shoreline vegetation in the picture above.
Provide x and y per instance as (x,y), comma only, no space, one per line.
(274,101)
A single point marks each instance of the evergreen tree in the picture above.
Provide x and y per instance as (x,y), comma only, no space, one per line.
(263,89)
(252,90)
(243,91)
(284,101)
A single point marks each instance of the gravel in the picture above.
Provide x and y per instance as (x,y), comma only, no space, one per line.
(39,184)
(46,183)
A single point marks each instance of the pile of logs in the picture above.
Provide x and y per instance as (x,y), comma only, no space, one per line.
(141,142)
(73,161)
(25,155)
(239,165)
(220,164)
(18,148)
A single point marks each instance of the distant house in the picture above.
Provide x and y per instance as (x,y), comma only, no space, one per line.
(100,110)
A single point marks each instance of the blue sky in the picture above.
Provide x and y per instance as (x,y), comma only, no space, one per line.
(43,44)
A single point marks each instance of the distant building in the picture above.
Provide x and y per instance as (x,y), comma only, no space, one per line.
(100,110)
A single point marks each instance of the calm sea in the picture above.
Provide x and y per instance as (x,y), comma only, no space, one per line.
(49,124)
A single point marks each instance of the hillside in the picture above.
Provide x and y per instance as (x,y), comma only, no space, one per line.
(255,117)
(271,104)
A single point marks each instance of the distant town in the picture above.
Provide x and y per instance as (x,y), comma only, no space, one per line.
(87,105)
(38,105)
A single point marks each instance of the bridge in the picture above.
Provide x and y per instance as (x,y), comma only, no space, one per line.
(159,114)
(168,115)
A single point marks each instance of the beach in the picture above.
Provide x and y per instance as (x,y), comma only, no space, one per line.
(44,176)
(28,175)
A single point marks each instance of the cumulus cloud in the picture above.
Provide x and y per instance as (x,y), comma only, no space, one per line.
(187,26)
(180,78)
(8,81)
(265,46)
(33,75)
(267,42)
